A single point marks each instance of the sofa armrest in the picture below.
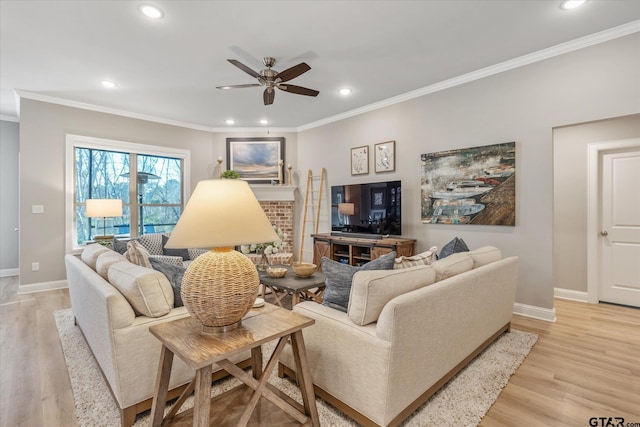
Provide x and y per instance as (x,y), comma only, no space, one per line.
(345,358)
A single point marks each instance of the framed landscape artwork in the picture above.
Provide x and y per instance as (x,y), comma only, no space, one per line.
(384,155)
(360,160)
(256,159)
(469,186)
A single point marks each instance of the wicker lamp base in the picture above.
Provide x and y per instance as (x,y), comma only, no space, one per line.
(219,288)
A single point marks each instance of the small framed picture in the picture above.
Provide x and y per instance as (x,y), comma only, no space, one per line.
(384,155)
(360,160)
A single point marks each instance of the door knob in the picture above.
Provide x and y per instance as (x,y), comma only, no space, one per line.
(604,233)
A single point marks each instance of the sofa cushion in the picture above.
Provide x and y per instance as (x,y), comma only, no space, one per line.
(424,258)
(91,252)
(452,265)
(174,274)
(137,254)
(338,278)
(184,253)
(454,246)
(372,290)
(106,260)
(148,291)
(485,255)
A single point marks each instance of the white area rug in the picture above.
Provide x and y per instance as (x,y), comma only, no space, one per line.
(463,401)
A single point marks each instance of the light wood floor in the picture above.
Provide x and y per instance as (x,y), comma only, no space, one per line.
(585,365)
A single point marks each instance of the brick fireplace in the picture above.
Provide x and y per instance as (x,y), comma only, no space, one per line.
(278,204)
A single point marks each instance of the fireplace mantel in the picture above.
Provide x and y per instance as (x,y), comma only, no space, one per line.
(274,193)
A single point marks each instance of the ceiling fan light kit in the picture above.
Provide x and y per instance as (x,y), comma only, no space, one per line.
(272,79)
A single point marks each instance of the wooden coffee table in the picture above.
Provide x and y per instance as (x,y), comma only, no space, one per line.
(310,288)
(255,401)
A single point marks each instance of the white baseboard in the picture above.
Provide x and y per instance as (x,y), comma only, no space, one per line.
(8,272)
(541,313)
(571,294)
(42,286)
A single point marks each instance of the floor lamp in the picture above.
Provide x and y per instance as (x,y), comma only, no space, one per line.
(103,208)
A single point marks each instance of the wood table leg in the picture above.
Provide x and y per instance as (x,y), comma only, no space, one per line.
(295,299)
(256,362)
(202,398)
(304,377)
(162,386)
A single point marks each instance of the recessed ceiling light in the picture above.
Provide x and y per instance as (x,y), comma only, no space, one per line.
(571,4)
(229,121)
(108,84)
(224,87)
(264,122)
(345,91)
(151,11)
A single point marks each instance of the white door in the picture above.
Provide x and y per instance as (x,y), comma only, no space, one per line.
(620,228)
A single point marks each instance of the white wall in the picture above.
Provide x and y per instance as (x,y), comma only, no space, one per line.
(570,194)
(9,154)
(522,105)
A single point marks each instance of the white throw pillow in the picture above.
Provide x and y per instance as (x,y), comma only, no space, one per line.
(372,290)
(148,291)
(137,254)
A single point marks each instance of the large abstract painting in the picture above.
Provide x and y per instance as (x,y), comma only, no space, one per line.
(470,186)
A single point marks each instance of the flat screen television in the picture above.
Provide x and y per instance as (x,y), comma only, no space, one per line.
(372,209)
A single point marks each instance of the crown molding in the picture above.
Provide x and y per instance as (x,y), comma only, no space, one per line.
(570,46)
(9,119)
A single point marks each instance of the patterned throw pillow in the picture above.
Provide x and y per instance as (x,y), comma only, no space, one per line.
(137,254)
(424,258)
(174,274)
(184,253)
(454,246)
(338,278)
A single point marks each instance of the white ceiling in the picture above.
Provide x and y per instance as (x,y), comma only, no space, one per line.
(167,70)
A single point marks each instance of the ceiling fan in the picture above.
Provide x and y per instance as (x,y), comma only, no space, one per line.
(273,79)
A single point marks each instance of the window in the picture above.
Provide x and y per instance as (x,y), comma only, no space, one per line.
(152,198)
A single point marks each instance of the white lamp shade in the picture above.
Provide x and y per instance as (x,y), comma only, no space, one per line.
(221,213)
(346,208)
(103,207)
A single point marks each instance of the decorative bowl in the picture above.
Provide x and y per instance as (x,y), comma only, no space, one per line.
(276,272)
(303,269)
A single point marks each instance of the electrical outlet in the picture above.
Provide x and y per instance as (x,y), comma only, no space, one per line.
(35,266)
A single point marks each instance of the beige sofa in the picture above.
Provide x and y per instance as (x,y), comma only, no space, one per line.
(406,333)
(115,320)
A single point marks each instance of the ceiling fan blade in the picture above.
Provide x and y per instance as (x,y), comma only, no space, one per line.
(293,72)
(238,86)
(244,68)
(268,96)
(298,90)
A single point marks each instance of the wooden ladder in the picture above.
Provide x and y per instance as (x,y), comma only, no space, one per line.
(312,198)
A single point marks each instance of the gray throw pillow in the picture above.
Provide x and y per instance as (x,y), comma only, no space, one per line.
(454,246)
(120,246)
(174,274)
(338,279)
(184,253)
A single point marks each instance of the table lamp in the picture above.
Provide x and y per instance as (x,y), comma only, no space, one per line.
(103,208)
(219,287)
(346,209)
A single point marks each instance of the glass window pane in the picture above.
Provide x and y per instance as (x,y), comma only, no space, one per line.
(158,219)
(159,180)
